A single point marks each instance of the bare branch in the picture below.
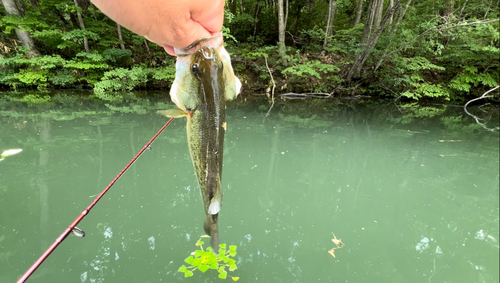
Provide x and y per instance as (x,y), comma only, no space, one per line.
(274,86)
(477,118)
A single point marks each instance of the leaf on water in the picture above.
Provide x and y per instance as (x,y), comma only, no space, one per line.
(232,248)
(203,268)
(188,273)
(214,266)
(196,262)
(232,267)
(235,278)
(231,262)
(222,251)
(182,268)
(198,253)
(223,275)
(222,246)
(221,269)
(189,259)
(232,253)
(200,243)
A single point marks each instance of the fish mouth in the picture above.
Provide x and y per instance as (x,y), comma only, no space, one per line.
(214,41)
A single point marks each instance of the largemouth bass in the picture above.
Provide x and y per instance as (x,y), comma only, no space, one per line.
(204,81)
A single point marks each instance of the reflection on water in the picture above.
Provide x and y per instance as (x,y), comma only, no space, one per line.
(412,194)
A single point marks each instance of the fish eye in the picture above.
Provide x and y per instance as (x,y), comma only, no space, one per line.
(195,69)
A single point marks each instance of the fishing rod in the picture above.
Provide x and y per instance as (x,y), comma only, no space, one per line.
(77,231)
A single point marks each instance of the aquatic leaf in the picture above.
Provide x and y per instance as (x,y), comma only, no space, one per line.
(235,278)
(198,253)
(221,269)
(214,266)
(222,246)
(223,275)
(232,267)
(232,248)
(196,262)
(232,253)
(222,251)
(231,262)
(189,260)
(211,258)
(199,243)
(188,273)
(182,268)
(203,268)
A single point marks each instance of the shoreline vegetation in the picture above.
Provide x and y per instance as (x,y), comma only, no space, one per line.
(443,51)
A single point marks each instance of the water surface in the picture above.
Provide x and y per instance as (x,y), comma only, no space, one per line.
(413,194)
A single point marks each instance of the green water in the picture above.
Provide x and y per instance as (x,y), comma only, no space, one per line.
(414,195)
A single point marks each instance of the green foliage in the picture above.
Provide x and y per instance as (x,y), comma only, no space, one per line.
(119,80)
(204,260)
(33,99)
(431,55)
(118,56)
(313,73)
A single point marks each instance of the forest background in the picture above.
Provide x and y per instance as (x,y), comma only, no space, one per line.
(432,50)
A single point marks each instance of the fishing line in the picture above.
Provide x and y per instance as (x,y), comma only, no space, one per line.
(77,231)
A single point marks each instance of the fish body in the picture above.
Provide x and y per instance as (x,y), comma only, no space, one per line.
(204,82)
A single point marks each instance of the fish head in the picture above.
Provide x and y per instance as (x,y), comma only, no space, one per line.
(199,61)
(206,66)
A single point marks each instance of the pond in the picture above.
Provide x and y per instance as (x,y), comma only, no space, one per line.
(412,192)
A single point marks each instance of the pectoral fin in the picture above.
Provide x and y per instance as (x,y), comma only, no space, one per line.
(175,113)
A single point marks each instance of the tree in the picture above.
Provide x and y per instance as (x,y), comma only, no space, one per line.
(281,29)
(329,23)
(82,26)
(370,43)
(23,35)
(359,12)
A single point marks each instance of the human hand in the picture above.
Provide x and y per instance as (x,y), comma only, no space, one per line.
(168,23)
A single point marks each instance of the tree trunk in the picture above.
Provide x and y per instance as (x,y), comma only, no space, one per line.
(379,9)
(256,17)
(23,36)
(401,16)
(281,29)
(286,12)
(367,30)
(361,58)
(391,3)
(359,12)
(119,29)
(82,27)
(332,5)
(393,31)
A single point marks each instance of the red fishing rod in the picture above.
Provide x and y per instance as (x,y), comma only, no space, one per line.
(77,231)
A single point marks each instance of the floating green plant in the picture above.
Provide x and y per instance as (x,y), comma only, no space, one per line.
(204,260)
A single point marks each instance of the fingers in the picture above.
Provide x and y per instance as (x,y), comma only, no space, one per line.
(170,24)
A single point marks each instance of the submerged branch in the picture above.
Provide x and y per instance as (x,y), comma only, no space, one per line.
(274,86)
(477,118)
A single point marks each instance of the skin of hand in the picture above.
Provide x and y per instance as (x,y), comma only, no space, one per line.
(168,23)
